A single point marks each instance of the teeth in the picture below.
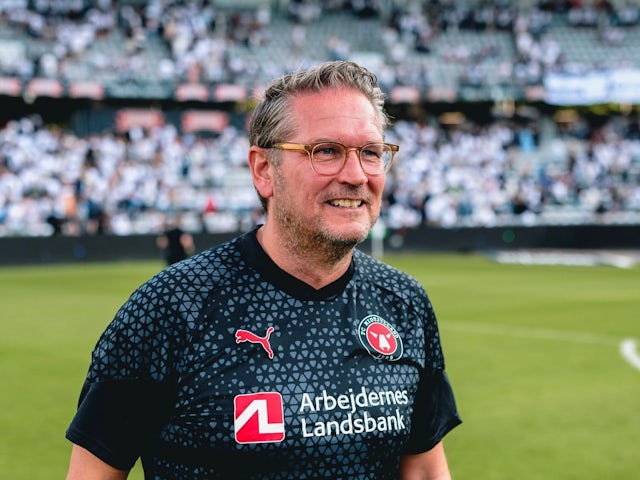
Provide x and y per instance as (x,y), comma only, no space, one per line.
(346,203)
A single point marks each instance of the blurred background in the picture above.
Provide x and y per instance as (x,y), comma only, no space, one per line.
(517,121)
(518,126)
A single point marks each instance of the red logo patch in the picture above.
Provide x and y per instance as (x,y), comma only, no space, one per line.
(258,417)
(380,338)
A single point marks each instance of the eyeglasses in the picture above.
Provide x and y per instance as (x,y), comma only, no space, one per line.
(329,158)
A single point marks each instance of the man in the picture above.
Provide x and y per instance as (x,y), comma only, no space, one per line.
(175,243)
(285,353)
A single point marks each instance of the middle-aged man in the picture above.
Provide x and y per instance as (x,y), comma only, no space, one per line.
(285,353)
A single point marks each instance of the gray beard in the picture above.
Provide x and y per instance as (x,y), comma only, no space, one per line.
(318,245)
(307,241)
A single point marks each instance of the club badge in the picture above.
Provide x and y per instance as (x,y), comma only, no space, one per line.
(380,338)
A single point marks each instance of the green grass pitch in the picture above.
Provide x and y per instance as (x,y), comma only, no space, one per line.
(533,353)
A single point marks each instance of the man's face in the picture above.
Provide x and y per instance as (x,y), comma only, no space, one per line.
(336,210)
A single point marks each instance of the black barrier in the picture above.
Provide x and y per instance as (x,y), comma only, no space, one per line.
(43,250)
(101,248)
(515,238)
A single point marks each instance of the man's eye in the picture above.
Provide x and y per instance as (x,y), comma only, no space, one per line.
(328,150)
(371,153)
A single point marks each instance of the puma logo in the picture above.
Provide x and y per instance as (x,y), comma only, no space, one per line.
(247,336)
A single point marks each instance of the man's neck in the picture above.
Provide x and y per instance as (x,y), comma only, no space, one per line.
(316,267)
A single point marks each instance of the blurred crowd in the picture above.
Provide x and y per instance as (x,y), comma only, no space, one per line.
(498,173)
(200,39)
(55,182)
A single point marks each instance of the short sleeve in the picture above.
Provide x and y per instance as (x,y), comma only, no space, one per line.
(435,413)
(118,420)
(130,386)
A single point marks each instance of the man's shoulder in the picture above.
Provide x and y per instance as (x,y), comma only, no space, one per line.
(386,276)
(183,288)
(193,278)
(209,267)
(392,282)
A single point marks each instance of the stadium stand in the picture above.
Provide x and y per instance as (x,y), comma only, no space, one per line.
(484,139)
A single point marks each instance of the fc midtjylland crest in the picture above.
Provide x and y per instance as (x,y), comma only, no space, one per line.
(380,338)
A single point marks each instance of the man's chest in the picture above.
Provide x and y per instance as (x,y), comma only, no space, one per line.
(297,375)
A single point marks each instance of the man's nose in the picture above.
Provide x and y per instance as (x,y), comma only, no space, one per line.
(352,170)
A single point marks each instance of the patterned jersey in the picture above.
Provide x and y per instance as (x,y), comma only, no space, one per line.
(225,366)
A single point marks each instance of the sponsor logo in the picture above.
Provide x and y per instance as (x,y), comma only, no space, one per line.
(380,338)
(258,418)
(354,412)
(247,336)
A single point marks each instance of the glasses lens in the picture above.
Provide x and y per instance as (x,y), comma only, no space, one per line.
(327,158)
(375,158)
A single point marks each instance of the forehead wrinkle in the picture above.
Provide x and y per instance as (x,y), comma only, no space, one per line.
(359,115)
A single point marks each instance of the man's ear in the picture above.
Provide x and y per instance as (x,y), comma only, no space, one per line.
(261,171)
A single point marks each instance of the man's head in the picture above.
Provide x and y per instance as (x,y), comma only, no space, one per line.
(318,159)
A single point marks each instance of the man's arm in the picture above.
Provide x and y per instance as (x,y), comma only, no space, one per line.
(84,465)
(430,465)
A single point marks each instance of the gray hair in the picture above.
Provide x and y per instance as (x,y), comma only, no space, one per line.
(271,120)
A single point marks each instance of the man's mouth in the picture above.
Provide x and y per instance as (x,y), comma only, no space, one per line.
(345,203)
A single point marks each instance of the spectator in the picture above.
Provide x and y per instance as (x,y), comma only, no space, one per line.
(175,243)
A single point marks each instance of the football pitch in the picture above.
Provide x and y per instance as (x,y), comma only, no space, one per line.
(533,353)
